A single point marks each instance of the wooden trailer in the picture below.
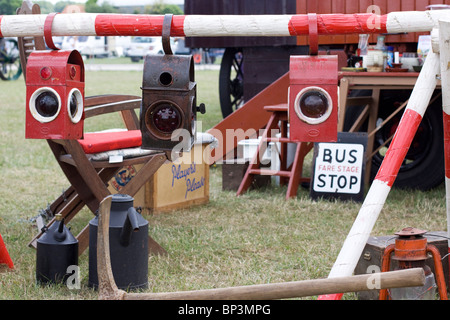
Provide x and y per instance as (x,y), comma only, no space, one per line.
(251,64)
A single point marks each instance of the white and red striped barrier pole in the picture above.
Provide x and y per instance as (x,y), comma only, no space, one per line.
(89,24)
(444,47)
(368,214)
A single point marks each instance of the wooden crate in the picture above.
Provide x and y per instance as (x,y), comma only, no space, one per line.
(176,185)
(180,184)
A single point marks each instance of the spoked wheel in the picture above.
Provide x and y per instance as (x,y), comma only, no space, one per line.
(10,67)
(423,166)
(231,81)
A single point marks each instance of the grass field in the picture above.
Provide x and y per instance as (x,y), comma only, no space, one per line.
(256,238)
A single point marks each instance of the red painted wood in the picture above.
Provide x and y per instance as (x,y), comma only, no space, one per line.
(399,147)
(446,119)
(146,25)
(337,24)
(244,118)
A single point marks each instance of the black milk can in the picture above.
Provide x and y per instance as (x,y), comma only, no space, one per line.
(128,243)
(57,250)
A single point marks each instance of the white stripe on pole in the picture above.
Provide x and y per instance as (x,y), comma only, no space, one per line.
(32,25)
(362,227)
(415,21)
(220,25)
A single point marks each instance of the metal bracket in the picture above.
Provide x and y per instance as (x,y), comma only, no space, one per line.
(166,28)
(48,30)
(313,34)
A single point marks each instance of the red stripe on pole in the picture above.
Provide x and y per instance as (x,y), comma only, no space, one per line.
(1,26)
(330,24)
(4,255)
(399,147)
(335,296)
(136,25)
(446,119)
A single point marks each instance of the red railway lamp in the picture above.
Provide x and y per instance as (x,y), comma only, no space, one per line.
(313,98)
(55,95)
(411,251)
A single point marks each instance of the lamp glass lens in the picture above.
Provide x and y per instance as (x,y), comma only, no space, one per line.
(166,118)
(313,104)
(73,105)
(47,104)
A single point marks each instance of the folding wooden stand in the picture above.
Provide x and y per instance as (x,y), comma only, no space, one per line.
(88,176)
(292,174)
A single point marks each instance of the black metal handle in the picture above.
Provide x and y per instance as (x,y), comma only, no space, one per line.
(166,28)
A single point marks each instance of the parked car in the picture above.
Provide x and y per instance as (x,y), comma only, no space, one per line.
(86,45)
(118,46)
(142,46)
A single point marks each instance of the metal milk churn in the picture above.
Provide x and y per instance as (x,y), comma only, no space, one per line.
(57,250)
(128,242)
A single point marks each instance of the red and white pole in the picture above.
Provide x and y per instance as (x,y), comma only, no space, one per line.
(368,214)
(444,47)
(89,24)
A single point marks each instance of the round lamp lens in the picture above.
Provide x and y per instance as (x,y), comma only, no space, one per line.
(314,104)
(73,105)
(47,104)
(166,118)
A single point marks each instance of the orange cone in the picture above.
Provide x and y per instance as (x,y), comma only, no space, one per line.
(4,255)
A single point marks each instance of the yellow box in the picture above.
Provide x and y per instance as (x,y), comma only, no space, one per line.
(179,184)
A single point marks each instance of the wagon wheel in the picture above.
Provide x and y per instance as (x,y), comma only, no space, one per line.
(423,166)
(231,81)
(10,67)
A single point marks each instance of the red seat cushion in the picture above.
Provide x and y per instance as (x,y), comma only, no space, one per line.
(94,142)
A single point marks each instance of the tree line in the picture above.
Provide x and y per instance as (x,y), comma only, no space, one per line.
(9,7)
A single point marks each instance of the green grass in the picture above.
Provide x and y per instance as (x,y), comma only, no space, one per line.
(256,238)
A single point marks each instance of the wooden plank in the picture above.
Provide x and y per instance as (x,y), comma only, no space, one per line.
(337,6)
(244,118)
(325,6)
(74,178)
(351,6)
(301,8)
(144,174)
(271,291)
(393,6)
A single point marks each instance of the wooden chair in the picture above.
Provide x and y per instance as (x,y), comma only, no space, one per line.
(87,173)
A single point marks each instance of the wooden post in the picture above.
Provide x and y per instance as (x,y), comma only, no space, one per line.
(295,289)
(107,289)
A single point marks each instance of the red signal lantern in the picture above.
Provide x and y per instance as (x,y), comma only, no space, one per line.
(55,95)
(313,98)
